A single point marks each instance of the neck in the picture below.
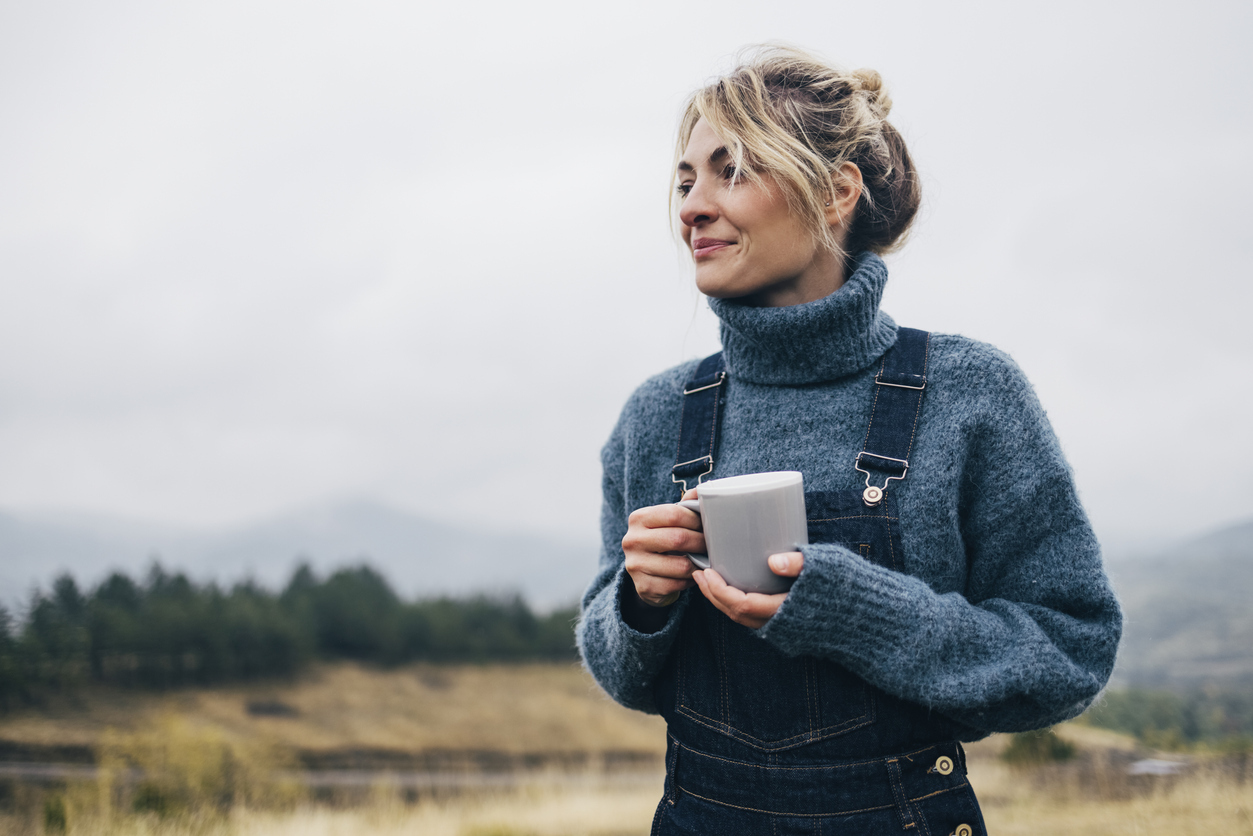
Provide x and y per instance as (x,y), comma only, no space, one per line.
(823,339)
(820,279)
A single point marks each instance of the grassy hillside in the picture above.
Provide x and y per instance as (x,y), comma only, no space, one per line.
(1189,613)
(539,709)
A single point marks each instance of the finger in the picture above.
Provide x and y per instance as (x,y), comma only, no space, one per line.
(660,566)
(670,515)
(663,541)
(660,600)
(751,609)
(723,596)
(690,493)
(787,564)
(652,588)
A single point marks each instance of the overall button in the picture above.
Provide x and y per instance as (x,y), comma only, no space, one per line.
(963,830)
(944,766)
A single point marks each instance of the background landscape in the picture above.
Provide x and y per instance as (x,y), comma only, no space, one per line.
(314,316)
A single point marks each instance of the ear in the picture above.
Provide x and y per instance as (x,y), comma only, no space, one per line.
(846,187)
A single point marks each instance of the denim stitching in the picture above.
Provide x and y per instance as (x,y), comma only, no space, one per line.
(672,771)
(906,813)
(680,687)
(960,786)
(726,679)
(874,404)
(713,430)
(811,686)
(723,724)
(790,815)
(783,742)
(828,731)
(678,450)
(926,353)
(908,756)
(656,829)
(921,819)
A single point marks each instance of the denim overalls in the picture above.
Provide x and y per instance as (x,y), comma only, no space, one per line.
(761,742)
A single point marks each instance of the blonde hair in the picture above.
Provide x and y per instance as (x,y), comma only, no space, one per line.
(785,114)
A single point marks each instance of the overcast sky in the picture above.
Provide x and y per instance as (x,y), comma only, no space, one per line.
(256,255)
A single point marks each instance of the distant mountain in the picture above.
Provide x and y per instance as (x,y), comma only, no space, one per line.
(419,557)
(1189,612)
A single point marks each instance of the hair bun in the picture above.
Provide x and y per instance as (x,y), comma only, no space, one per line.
(872,85)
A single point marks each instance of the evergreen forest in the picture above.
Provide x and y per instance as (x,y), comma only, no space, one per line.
(168,631)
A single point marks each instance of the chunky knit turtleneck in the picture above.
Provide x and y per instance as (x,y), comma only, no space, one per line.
(823,340)
(1002,618)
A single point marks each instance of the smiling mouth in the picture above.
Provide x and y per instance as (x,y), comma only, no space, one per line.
(702,247)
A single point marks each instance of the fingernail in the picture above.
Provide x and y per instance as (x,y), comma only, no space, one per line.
(779,562)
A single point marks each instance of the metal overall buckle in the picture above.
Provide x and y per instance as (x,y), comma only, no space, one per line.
(873,495)
(699,478)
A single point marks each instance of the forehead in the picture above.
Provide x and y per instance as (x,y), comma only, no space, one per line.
(703,147)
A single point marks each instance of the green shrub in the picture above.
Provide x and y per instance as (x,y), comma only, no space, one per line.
(1037,747)
(191,770)
(55,818)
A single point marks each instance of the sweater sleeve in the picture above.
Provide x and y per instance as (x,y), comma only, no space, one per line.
(1031,639)
(624,661)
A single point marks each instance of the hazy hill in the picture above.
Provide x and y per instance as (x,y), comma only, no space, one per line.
(419,556)
(1189,611)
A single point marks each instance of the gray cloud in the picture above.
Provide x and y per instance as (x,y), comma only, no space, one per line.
(258,255)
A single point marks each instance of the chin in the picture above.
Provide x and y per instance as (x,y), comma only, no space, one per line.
(720,289)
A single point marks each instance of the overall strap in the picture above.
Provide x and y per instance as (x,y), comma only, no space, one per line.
(698,423)
(898,388)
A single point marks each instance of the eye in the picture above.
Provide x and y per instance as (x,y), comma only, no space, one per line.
(730,172)
(683,189)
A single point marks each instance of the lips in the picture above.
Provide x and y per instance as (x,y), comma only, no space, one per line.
(707,246)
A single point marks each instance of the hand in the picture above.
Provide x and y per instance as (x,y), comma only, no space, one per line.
(752,609)
(656,544)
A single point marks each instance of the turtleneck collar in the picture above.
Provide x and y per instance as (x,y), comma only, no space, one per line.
(821,340)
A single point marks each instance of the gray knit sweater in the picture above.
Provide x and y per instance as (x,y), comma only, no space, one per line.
(1004,619)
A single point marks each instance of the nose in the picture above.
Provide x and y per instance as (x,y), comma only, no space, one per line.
(697,208)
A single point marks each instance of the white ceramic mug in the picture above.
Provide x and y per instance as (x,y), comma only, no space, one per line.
(746,519)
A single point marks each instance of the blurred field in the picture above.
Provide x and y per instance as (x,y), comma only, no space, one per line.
(514,709)
(1013,806)
(214,749)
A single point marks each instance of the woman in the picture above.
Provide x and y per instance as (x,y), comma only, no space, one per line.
(953,586)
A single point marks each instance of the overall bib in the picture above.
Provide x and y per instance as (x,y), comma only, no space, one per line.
(764,743)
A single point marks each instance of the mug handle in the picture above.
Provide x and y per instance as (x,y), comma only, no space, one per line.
(701,561)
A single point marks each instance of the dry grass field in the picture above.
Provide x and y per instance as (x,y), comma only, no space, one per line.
(510,708)
(1012,807)
(522,710)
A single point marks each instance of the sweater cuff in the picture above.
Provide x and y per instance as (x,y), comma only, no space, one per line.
(845,608)
(652,636)
(638,614)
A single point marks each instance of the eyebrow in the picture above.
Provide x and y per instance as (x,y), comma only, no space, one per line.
(717,156)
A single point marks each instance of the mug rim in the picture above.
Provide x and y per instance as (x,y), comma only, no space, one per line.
(749,482)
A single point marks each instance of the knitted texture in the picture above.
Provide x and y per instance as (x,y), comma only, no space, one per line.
(1003,619)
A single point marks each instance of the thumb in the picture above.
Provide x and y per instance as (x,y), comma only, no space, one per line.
(787,564)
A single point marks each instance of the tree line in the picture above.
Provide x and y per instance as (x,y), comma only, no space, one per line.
(1210,715)
(169,631)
